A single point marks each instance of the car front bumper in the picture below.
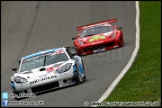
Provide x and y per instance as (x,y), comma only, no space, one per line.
(33,86)
(98,46)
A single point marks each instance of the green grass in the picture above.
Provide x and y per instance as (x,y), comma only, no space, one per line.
(142,82)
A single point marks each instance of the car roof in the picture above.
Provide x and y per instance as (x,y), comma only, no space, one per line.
(40,52)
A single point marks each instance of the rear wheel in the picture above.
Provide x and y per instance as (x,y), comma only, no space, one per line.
(121,44)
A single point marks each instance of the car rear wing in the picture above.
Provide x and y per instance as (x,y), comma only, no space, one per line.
(90,25)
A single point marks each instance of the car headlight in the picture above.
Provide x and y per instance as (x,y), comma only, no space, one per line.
(113,35)
(80,42)
(64,68)
(19,79)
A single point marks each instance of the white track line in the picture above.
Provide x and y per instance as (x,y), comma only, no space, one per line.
(116,81)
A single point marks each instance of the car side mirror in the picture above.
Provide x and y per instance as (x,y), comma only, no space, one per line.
(116,27)
(14,69)
(120,28)
(73,38)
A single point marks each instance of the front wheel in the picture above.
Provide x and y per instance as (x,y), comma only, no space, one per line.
(84,72)
(79,79)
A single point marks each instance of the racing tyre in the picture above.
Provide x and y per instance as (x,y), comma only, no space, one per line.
(79,79)
(84,73)
(121,44)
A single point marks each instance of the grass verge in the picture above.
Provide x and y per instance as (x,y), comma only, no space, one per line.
(142,82)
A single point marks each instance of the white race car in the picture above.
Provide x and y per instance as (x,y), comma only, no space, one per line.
(46,70)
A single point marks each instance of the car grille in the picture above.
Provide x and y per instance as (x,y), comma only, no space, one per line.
(99,46)
(45,87)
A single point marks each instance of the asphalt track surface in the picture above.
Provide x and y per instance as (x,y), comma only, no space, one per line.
(24,24)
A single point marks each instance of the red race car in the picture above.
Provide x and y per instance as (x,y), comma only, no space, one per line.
(98,37)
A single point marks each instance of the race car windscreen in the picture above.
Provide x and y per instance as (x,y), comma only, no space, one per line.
(43,61)
(96,30)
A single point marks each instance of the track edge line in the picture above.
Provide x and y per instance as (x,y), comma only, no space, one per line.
(126,68)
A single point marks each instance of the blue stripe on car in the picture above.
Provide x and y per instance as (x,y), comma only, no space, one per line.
(81,68)
(13,85)
(74,68)
(39,53)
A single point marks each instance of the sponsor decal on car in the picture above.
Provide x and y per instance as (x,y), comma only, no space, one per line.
(42,79)
(96,38)
(59,51)
(52,69)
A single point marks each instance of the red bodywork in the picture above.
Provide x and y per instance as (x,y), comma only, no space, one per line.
(99,42)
